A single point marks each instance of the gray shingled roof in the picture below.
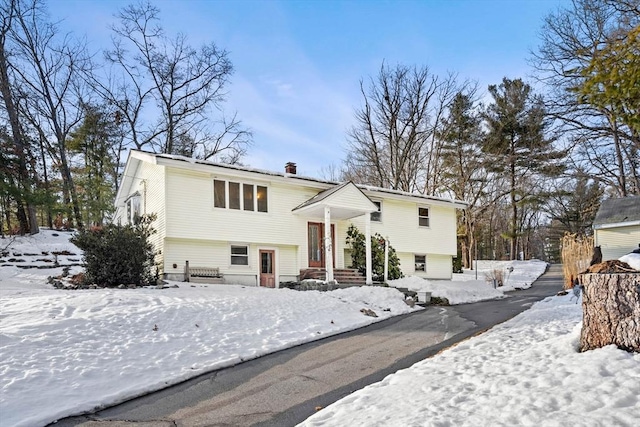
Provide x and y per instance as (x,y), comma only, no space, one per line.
(626,209)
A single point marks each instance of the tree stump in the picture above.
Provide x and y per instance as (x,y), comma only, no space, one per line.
(611,311)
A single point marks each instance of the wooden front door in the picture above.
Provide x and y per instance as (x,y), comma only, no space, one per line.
(267,268)
(315,241)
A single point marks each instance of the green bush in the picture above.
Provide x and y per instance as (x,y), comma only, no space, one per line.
(457,264)
(118,254)
(356,242)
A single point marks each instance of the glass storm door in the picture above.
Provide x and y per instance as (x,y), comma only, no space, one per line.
(267,268)
(315,241)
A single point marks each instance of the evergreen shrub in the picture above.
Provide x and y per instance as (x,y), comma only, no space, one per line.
(356,242)
(118,254)
(457,264)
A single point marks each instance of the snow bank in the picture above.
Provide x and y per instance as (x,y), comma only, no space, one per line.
(632,259)
(456,292)
(464,288)
(526,371)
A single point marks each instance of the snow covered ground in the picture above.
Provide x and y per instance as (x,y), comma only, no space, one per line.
(64,352)
(524,372)
(466,288)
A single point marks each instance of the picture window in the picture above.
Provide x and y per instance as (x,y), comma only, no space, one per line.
(240,196)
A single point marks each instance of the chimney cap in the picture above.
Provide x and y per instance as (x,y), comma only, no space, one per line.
(290,168)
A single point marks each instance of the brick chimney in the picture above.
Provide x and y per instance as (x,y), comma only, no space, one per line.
(290,168)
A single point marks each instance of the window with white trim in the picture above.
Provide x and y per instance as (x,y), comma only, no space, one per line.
(219,194)
(133,208)
(423,216)
(420,262)
(377,216)
(239,255)
(240,196)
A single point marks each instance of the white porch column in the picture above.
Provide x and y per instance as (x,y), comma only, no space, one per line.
(328,252)
(367,240)
(386,259)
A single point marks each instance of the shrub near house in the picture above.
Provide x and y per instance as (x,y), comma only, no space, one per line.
(356,242)
(118,254)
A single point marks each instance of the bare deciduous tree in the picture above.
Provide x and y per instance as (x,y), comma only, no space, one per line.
(571,38)
(15,174)
(46,67)
(389,145)
(153,75)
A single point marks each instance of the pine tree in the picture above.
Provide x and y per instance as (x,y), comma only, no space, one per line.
(95,142)
(518,145)
(463,173)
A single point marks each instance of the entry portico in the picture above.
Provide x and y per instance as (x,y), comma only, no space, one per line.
(342,202)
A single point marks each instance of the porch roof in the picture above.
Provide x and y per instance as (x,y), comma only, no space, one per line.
(345,201)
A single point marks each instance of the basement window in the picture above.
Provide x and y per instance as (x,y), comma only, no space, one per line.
(239,255)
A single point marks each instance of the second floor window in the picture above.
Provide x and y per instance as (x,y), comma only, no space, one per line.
(240,196)
(423,217)
(377,216)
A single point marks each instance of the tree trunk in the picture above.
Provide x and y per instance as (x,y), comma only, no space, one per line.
(611,311)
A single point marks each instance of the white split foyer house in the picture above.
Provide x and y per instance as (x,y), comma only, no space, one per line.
(263,228)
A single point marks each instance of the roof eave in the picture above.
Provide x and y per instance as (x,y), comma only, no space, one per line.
(616,225)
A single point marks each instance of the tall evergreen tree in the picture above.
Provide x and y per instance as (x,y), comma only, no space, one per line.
(518,145)
(463,172)
(96,141)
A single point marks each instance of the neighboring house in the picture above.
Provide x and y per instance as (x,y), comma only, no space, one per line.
(616,227)
(264,228)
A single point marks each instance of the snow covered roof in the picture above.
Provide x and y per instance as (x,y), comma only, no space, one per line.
(159,158)
(618,213)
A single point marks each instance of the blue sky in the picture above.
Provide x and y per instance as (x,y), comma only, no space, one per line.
(298,64)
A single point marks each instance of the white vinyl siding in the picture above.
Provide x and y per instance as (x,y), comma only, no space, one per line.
(439,266)
(218,254)
(618,241)
(148,181)
(405,235)
(192,217)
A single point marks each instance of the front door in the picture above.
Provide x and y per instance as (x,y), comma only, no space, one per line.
(267,268)
(315,240)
